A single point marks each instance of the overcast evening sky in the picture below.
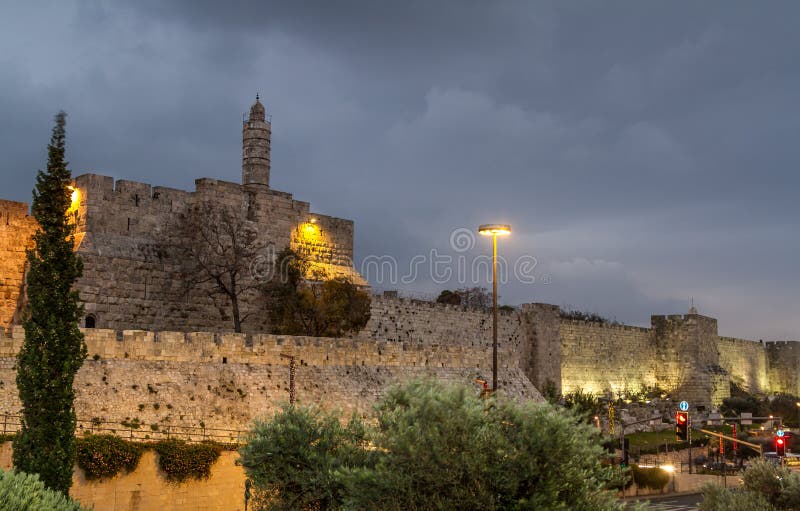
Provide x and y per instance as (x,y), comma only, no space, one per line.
(644,152)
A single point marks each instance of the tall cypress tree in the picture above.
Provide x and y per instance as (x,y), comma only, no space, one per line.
(54,348)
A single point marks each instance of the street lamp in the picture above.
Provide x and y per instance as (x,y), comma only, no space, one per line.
(494,230)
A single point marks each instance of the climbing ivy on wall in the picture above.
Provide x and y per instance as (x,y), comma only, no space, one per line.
(102,456)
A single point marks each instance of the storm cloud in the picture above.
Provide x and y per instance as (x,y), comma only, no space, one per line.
(645,153)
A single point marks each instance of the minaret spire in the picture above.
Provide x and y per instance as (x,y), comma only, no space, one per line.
(256,135)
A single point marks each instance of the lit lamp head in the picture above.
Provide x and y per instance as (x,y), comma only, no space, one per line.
(494,229)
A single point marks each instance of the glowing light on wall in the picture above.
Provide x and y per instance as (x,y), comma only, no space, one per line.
(76,197)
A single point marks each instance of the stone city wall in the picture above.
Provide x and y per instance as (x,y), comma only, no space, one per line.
(133,280)
(745,361)
(16,230)
(226,380)
(147,488)
(599,358)
(530,333)
(784,366)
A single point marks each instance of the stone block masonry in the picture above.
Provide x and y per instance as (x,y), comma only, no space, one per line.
(226,380)
(16,230)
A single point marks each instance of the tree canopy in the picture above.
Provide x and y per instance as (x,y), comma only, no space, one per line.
(320,306)
(433,446)
(54,348)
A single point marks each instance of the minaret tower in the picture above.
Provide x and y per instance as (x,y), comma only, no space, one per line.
(256,133)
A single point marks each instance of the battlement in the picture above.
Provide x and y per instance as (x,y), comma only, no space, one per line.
(607,326)
(12,212)
(266,349)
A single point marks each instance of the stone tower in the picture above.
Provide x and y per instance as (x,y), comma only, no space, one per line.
(256,133)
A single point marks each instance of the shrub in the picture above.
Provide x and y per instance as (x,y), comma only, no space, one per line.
(653,478)
(441,447)
(717,498)
(180,460)
(102,456)
(25,492)
(293,457)
(766,487)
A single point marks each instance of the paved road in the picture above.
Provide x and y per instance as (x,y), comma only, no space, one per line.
(679,503)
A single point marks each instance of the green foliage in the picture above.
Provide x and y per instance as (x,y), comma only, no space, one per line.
(53,349)
(181,460)
(293,458)
(26,492)
(102,456)
(584,404)
(431,447)
(550,392)
(590,317)
(441,447)
(7,437)
(717,498)
(785,406)
(650,477)
(330,308)
(449,297)
(767,486)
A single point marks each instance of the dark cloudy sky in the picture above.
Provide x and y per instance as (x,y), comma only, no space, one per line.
(644,152)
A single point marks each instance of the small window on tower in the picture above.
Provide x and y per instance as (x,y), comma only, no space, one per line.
(90,321)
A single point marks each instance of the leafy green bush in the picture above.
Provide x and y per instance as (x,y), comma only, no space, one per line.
(181,460)
(441,447)
(432,447)
(766,487)
(584,404)
(653,478)
(717,498)
(7,437)
(102,456)
(25,492)
(292,459)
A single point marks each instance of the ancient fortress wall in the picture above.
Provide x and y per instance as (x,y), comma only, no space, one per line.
(16,229)
(783,362)
(598,358)
(226,380)
(131,277)
(531,333)
(745,361)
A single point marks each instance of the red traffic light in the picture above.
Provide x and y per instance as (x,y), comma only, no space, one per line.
(681,417)
(780,446)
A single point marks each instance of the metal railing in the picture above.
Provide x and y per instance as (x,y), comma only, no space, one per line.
(135,430)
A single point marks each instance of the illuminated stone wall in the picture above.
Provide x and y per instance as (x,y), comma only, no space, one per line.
(783,362)
(225,380)
(147,488)
(16,229)
(746,362)
(131,279)
(600,358)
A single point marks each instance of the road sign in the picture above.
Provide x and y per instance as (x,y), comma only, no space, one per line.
(780,432)
(684,406)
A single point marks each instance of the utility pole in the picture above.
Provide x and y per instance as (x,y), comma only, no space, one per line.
(291,376)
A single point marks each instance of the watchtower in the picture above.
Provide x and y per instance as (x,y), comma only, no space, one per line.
(256,133)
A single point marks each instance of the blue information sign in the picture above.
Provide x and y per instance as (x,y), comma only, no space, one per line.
(684,406)
(779,432)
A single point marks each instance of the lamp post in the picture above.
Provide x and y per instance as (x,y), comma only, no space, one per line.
(494,230)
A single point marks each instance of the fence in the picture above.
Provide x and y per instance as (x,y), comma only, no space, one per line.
(138,431)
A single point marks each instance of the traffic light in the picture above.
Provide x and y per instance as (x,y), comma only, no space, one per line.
(780,446)
(682,426)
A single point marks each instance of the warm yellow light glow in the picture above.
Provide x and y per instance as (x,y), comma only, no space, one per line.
(494,229)
(667,468)
(75,195)
(313,220)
